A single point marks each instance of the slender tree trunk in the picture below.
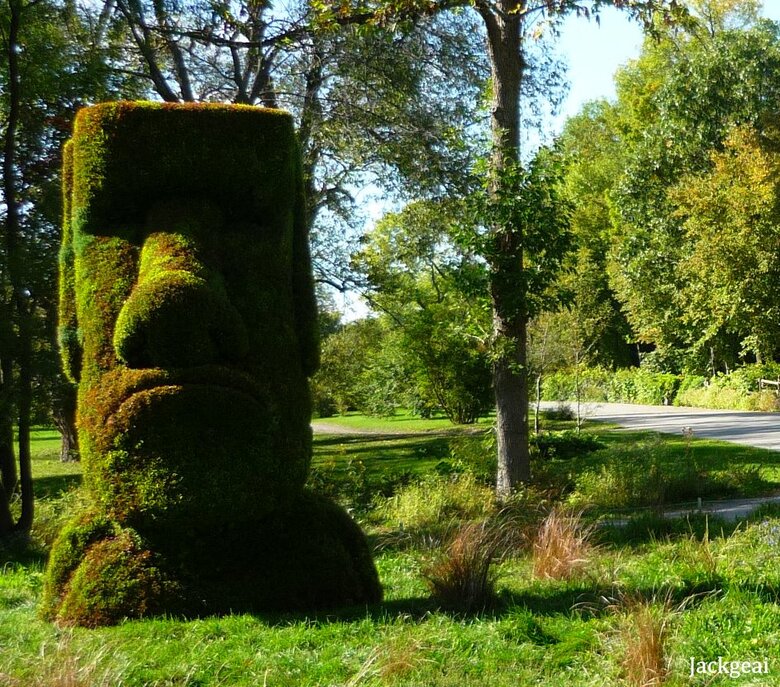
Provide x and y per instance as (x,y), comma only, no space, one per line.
(13,240)
(538,403)
(64,414)
(8,475)
(510,374)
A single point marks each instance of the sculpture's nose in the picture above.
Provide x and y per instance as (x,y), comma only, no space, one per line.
(178,313)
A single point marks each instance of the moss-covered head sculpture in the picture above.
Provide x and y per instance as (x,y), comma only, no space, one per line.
(188,320)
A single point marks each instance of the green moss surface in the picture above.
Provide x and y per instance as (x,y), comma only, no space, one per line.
(188,317)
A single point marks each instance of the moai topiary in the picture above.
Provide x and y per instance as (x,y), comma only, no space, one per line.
(188,320)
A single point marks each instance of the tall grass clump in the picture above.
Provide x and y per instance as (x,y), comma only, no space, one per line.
(433,503)
(651,473)
(462,576)
(643,633)
(563,547)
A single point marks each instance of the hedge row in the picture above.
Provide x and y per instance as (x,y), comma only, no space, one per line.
(738,390)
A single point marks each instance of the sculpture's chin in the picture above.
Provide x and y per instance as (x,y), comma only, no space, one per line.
(198,453)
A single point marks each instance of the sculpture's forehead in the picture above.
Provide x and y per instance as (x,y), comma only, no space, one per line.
(128,156)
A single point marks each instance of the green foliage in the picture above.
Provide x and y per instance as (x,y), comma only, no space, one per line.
(738,390)
(653,474)
(677,106)
(593,159)
(435,315)
(345,360)
(563,445)
(730,216)
(430,505)
(521,207)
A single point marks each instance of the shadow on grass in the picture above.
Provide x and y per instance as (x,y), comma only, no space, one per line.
(652,526)
(382,452)
(587,600)
(53,486)
(19,550)
(351,439)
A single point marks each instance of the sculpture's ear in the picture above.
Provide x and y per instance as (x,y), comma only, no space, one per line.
(303,280)
(67,331)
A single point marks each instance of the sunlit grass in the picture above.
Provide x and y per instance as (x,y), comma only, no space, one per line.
(724,580)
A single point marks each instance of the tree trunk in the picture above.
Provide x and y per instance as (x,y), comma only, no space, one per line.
(64,413)
(538,403)
(14,256)
(510,374)
(8,474)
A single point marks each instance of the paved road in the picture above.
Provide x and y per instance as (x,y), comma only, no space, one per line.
(752,429)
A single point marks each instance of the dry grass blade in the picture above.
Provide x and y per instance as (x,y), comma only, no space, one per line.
(562,548)
(61,665)
(462,577)
(644,634)
(367,670)
(402,657)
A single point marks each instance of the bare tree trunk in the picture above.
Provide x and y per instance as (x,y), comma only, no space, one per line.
(510,374)
(14,257)
(64,413)
(8,476)
(538,403)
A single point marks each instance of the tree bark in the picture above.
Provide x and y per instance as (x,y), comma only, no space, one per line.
(8,473)
(510,374)
(64,413)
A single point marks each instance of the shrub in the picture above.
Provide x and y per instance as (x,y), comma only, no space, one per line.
(462,576)
(651,474)
(562,412)
(431,504)
(353,486)
(562,548)
(477,455)
(654,388)
(737,390)
(629,476)
(563,445)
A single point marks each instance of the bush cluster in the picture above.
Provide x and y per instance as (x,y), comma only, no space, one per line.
(737,390)
(648,474)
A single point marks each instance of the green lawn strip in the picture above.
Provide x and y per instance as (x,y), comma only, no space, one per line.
(51,476)
(400,422)
(544,630)
(381,453)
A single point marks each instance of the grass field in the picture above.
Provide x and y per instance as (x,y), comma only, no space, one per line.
(696,589)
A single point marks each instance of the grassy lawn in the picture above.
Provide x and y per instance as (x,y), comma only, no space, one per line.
(400,422)
(713,586)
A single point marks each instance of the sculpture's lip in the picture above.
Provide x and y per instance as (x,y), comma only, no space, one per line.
(120,385)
